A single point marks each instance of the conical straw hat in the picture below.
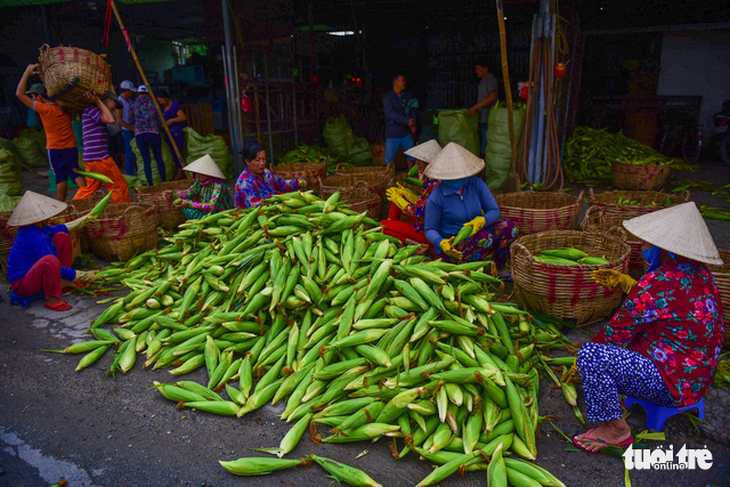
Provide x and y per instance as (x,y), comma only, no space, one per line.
(679,229)
(33,208)
(425,152)
(205,166)
(454,162)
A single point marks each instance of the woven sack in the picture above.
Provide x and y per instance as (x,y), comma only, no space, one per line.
(167,216)
(567,291)
(69,72)
(123,231)
(535,212)
(646,201)
(640,176)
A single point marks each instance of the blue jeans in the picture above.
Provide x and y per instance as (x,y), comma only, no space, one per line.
(144,142)
(130,166)
(392,144)
(483,127)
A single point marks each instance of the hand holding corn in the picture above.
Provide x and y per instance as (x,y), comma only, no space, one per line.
(476,224)
(87,276)
(79,223)
(612,279)
(395,196)
(447,245)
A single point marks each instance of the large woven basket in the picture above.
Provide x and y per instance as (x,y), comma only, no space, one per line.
(643,201)
(67,215)
(598,221)
(347,184)
(363,200)
(123,231)
(69,72)
(566,291)
(313,171)
(7,237)
(722,280)
(167,216)
(640,176)
(535,212)
(367,173)
(83,206)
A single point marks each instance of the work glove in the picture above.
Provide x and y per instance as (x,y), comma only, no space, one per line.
(612,279)
(303,183)
(476,224)
(447,246)
(87,276)
(395,196)
(407,194)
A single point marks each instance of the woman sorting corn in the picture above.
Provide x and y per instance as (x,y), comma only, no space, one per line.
(464,200)
(257,183)
(663,344)
(40,258)
(404,202)
(208,194)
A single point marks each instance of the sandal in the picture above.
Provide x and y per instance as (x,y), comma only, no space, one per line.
(59,306)
(577,443)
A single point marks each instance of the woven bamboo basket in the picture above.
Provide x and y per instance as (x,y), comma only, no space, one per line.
(650,177)
(535,212)
(167,216)
(598,221)
(123,231)
(7,237)
(645,201)
(69,72)
(83,206)
(313,171)
(567,291)
(365,172)
(722,281)
(67,215)
(346,184)
(363,200)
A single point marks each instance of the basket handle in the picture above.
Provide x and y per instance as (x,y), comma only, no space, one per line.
(581,197)
(520,248)
(684,196)
(591,196)
(339,168)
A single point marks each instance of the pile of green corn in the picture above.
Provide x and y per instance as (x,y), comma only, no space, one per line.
(314,153)
(568,256)
(589,153)
(297,301)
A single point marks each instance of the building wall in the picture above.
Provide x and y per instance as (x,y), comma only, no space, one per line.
(697,63)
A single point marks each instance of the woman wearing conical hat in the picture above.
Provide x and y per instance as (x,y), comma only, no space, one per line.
(406,203)
(40,258)
(208,194)
(663,344)
(464,200)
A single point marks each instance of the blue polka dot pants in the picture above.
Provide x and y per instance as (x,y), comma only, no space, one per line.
(607,371)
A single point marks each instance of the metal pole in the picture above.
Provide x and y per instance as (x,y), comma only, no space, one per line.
(238,142)
(230,83)
(268,106)
(229,110)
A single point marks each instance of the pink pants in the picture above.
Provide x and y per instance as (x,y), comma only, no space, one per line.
(45,275)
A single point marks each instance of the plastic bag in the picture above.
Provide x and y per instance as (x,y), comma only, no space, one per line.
(457,126)
(343,142)
(11,183)
(31,152)
(498,155)
(196,146)
(8,203)
(166,157)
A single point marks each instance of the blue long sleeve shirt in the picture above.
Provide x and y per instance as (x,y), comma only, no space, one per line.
(447,211)
(30,245)
(396,118)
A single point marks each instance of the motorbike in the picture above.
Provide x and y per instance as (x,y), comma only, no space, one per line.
(720,140)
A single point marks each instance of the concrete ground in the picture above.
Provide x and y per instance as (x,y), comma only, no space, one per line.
(96,430)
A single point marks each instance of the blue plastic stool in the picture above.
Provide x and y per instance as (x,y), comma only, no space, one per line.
(24,301)
(657,415)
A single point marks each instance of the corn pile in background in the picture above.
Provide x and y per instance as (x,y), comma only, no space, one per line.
(297,301)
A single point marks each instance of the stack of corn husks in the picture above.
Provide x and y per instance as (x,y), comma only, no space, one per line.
(297,301)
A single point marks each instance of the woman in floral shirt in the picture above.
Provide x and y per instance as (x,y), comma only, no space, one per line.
(663,344)
(257,183)
(208,194)
(404,202)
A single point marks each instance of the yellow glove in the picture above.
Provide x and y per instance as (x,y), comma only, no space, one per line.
(613,279)
(448,248)
(303,183)
(407,194)
(476,224)
(86,276)
(394,196)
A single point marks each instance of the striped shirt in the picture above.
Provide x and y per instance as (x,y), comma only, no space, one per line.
(95,136)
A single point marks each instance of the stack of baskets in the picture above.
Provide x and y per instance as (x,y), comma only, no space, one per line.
(313,171)
(567,291)
(722,280)
(124,230)
(535,212)
(640,176)
(69,72)
(83,207)
(167,216)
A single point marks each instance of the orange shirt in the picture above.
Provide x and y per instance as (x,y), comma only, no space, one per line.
(57,124)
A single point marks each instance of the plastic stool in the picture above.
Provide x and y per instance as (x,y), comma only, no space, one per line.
(657,415)
(24,300)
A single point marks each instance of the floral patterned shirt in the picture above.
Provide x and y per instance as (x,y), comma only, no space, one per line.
(211,195)
(143,116)
(250,189)
(673,316)
(417,210)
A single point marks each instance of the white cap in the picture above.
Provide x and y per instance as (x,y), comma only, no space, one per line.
(143,89)
(128,85)
(679,229)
